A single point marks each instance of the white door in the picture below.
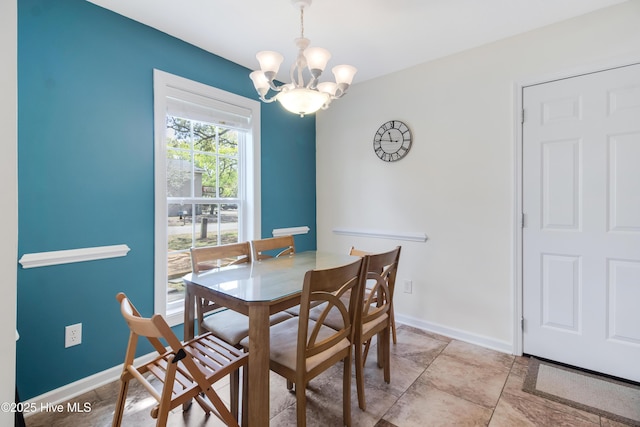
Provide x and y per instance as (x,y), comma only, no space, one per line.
(581,236)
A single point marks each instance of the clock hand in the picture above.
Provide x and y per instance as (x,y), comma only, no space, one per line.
(390,137)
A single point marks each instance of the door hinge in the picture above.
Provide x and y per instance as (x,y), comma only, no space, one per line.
(522,323)
(523,220)
(522,116)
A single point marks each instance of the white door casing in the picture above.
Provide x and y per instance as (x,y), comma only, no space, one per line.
(581,238)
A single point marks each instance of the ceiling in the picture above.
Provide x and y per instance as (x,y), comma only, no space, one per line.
(376,36)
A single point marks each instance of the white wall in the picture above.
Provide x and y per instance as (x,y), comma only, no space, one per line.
(457,182)
(9,214)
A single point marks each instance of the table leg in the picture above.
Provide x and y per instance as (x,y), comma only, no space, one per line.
(189,315)
(258,366)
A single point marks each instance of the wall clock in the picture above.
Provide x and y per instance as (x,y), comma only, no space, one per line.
(392,141)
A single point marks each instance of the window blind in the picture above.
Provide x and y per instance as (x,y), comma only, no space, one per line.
(192,106)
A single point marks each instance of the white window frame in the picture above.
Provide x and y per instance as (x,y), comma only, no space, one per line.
(164,86)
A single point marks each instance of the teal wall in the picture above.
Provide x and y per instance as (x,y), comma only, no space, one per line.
(85,175)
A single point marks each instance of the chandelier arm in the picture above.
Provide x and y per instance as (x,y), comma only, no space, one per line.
(298,81)
(315,76)
(292,71)
(341,90)
(273,86)
(268,100)
(312,83)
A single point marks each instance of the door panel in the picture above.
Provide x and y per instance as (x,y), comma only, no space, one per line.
(581,243)
(624,179)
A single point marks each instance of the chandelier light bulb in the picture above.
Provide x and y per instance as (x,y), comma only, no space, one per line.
(317,58)
(344,73)
(328,87)
(269,61)
(260,82)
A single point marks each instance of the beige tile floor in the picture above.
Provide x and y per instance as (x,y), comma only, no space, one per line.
(435,381)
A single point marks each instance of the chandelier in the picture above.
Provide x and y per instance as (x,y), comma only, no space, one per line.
(298,97)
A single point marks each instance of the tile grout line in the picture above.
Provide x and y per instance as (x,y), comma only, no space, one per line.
(414,381)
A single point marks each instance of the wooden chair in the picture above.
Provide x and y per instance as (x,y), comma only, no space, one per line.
(358,252)
(302,348)
(186,370)
(375,316)
(284,245)
(225,324)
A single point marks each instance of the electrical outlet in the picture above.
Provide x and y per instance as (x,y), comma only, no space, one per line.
(72,335)
(408,286)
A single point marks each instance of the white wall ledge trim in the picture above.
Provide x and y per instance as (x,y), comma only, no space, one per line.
(378,234)
(277,232)
(42,259)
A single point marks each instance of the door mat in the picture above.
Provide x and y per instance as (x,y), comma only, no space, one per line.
(607,397)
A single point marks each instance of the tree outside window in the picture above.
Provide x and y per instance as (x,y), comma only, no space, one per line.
(202,192)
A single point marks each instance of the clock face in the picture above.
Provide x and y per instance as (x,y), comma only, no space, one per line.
(392,141)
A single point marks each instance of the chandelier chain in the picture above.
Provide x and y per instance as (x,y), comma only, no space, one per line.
(302,22)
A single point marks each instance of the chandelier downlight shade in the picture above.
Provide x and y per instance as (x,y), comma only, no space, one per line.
(300,97)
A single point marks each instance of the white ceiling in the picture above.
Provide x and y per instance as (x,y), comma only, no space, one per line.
(376,36)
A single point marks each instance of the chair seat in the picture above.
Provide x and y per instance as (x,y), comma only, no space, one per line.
(284,341)
(201,349)
(295,310)
(369,326)
(232,327)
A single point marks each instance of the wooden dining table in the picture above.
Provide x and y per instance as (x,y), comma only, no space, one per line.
(258,290)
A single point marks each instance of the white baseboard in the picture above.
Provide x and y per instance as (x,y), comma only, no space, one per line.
(74,389)
(481,340)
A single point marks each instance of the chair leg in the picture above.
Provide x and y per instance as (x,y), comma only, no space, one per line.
(365,351)
(393,324)
(122,399)
(346,392)
(360,375)
(380,352)
(167,390)
(234,392)
(301,405)
(245,395)
(289,385)
(386,355)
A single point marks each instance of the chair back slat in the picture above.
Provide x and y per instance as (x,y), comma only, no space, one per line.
(210,257)
(138,325)
(377,301)
(281,245)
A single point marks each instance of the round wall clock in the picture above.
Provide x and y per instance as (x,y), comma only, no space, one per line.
(392,141)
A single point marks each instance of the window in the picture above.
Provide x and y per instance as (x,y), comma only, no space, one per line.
(207,175)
